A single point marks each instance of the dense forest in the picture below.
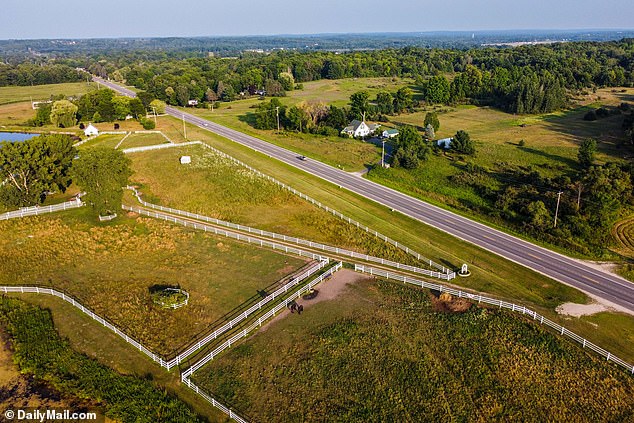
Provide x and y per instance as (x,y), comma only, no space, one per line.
(525,79)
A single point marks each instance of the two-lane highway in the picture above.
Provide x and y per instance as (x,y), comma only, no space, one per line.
(559,267)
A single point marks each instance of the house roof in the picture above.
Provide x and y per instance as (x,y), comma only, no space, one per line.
(391,131)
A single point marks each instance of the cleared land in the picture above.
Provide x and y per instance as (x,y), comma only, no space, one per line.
(111,268)
(217,187)
(386,352)
(43,92)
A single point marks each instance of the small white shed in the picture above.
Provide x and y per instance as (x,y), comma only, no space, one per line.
(91,131)
(186,159)
(444,143)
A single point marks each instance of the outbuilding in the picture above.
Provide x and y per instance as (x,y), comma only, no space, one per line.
(390,133)
(186,159)
(444,143)
(91,131)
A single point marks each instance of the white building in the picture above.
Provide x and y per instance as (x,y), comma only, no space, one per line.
(444,143)
(91,131)
(186,159)
(360,129)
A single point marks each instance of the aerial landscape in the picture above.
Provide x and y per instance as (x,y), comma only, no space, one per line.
(329,212)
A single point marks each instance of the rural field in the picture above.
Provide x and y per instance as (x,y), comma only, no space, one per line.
(217,187)
(133,140)
(491,274)
(387,352)
(111,268)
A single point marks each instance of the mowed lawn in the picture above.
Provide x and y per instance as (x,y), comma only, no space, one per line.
(111,268)
(387,352)
(218,187)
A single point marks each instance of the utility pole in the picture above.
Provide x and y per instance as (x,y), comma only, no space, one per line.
(383,154)
(557,209)
(579,196)
(277,113)
(184,128)
(154,110)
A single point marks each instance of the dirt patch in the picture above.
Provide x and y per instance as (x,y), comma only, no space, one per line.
(447,303)
(578,310)
(329,289)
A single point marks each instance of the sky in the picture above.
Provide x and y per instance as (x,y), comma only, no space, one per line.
(24,19)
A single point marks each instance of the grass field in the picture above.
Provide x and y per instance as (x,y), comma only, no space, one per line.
(386,352)
(112,267)
(89,337)
(43,92)
(142,140)
(217,187)
(491,274)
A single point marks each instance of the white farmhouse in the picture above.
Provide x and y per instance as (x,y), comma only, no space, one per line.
(91,131)
(359,129)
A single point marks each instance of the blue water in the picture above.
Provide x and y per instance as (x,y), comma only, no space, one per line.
(16,136)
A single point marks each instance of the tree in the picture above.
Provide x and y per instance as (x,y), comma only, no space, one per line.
(411,149)
(298,119)
(137,108)
(182,95)
(102,173)
(145,97)
(266,114)
(63,114)
(42,116)
(538,214)
(402,99)
(33,168)
(158,106)
(287,80)
(437,90)
(359,104)
(431,118)
(211,96)
(274,88)
(336,118)
(587,151)
(384,103)
(121,106)
(462,143)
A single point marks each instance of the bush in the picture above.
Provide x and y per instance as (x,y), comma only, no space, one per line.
(148,124)
(522,143)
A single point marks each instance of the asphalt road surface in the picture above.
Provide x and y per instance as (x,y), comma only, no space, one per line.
(559,267)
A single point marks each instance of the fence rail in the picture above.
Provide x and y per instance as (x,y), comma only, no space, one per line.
(228,234)
(246,314)
(500,304)
(185,376)
(159,146)
(37,210)
(311,200)
(341,251)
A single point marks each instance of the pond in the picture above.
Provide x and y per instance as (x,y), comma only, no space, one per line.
(16,136)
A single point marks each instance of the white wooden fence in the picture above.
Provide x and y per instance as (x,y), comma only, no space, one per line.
(37,210)
(398,245)
(222,232)
(201,343)
(185,376)
(340,251)
(500,304)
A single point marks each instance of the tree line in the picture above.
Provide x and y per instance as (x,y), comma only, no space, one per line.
(527,79)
